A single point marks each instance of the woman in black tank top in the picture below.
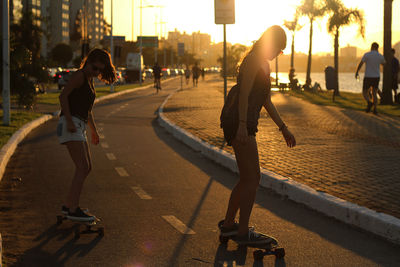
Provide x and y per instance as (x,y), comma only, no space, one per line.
(239,120)
(76,102)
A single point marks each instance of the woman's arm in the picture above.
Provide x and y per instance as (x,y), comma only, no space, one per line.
(250,69)
(76,81)
(270,107)
(93,128)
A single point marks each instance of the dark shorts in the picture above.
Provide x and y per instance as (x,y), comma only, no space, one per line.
(368,82)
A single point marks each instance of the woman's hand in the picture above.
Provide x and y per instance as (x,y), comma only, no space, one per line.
(289,137)
(241,135)
(71,126)
(95,137)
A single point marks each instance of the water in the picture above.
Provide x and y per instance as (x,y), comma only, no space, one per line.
(347,81)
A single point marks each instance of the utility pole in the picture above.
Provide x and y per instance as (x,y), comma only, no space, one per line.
(225,78)
(6,64)
(387,51)
(141,38)
(111,43)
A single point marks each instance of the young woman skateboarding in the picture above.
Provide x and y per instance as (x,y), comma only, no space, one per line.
(76,102)
(239,120)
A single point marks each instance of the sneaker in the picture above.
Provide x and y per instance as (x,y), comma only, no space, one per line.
(65,210)
(80,215)
(254,238)
(230,231)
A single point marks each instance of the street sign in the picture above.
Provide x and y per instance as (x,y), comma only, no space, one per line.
(181,49)
(224,11)
(148,41)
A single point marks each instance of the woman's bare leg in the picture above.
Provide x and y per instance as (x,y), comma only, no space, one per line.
(243,195)
(80,155)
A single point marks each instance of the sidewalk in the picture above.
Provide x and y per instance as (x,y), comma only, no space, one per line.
(349,154)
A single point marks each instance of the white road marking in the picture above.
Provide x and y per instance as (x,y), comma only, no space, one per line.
(104,145)
(111,156)
(101,136)
(121,171)
(141,193)
(178,225)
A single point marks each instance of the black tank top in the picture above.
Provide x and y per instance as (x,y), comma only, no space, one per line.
(81,100)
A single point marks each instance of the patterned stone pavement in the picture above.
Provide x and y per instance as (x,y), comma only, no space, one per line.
(346,153)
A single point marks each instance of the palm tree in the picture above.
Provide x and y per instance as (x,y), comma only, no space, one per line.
(293,26)
(342,16)
(312,9)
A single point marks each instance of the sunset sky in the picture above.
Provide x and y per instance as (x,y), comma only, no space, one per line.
(252,18)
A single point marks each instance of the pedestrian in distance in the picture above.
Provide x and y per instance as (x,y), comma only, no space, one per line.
(157,77)
(203,74)
(187,74)
(395,73)
(76,101)
(195,74)
(239,120)
(372,60)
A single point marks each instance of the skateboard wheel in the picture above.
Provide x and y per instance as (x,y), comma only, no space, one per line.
(101,231)
(280,253)
(223,239)
(77,233)
(258,255)
(59,220)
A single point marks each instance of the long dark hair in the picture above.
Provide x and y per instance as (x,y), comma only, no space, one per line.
(108,75)
(274,34)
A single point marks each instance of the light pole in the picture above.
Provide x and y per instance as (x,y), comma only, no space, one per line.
(6,64)
(387,97)
(141,39)
(111,43)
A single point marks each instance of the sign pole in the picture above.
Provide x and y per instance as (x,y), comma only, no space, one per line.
(225,79)
(112,44)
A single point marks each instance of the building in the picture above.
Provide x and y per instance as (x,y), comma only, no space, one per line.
(56,16)
(348,52)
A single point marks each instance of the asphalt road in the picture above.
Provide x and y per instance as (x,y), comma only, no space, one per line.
(159,202)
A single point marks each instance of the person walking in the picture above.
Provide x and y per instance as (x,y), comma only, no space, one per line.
(76,101)
(195,74)
(187,74)
(203,74)
(239,120)
(157,76)
(395,73)
(372,60)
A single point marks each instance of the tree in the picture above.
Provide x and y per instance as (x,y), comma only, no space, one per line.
(293,26)
(341,16)
(233,56)
(312,9)
(387,47)
(62,54)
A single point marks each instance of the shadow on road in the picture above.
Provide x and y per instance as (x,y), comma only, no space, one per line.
(329,229)
(68,249)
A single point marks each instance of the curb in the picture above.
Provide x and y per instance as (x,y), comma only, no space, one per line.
(381,224)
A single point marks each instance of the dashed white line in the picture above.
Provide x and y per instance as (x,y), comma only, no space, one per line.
(121,171)
(141,193)
(104,145)
(111,156)
(178,225)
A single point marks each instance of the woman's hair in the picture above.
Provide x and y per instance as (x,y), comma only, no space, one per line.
(108,75)
(274,34)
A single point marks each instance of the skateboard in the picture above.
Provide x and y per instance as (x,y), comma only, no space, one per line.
(271,248)
(88,224)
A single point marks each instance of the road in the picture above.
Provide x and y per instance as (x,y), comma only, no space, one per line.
(149,189)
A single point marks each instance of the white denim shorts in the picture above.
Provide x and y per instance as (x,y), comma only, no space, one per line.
(65,136)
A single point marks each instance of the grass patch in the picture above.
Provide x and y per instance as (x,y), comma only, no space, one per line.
(345,100)
(52,97)
(18,119)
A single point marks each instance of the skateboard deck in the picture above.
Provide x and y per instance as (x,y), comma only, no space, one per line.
(89,224)
(271,248)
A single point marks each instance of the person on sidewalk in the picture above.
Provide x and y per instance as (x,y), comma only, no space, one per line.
(195,74)
(395,73)
(187,74)
(76,102)
(372,60)
(239,120)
